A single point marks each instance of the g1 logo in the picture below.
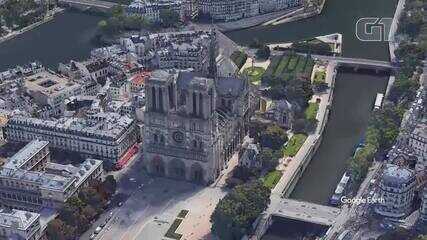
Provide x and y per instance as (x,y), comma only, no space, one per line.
(373,29)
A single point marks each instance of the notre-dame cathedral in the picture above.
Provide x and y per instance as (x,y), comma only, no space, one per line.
(193,122)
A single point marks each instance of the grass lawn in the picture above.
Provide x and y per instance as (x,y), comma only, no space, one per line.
(239,58)
(272,178)
(320,76)
(282,66)
(182,213)
(255,74)
(289,66)
(294,144)
(293,63)
(311,111)
(171,231)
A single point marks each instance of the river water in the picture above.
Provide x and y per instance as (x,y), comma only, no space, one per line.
(69,36)
(338,16)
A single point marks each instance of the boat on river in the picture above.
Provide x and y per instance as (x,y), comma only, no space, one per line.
(340,190)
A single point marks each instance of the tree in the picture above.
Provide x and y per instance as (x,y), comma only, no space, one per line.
(398,234)
(319,86)
(404,89)
(110,185)
(169,17)
(263,52)
(89,212)
(305,126)
(68,214)
(298,91)
(244,173)
(269,158)
(117,11)
(384,126)
(92,197)
(58,230)
(421,237)
(255,129)
(134,22)
(317,47)
(54,230)
(235,213)
(274,137)
(359,164)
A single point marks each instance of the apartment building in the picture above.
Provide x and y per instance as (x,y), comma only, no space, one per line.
(150,10)
(49,89)
(29,181)
(397,187)
(105,136)
(17,224)
(232,10)
(182,50)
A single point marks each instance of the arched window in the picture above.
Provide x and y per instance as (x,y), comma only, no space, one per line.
(153,98)
(162,139)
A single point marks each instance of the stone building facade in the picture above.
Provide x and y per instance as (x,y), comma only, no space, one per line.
(29,181)
(17,224)
(193,124)
(423,209)
(232,10)
(104,136)
(397,188)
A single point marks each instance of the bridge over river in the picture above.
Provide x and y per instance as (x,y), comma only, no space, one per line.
(358,62)
(99,5)
(304,211)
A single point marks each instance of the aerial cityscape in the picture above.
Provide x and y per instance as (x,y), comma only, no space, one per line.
(213,120)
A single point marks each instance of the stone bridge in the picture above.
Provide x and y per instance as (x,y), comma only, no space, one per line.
(304,211)
(88,4)
(359,63)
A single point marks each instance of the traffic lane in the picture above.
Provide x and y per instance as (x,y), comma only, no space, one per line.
(125,187)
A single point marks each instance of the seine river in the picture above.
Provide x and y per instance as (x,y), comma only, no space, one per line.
(69,36)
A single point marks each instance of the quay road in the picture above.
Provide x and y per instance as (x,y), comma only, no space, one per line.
(352,216)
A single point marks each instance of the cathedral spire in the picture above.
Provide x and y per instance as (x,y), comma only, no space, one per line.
(212,69)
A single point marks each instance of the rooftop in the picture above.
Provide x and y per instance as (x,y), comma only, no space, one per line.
(17,218)
(421,130)
(110,125)
(25,154)
(47,83)
(396,176)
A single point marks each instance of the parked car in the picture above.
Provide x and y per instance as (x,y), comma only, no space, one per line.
(92,236)
(98,230)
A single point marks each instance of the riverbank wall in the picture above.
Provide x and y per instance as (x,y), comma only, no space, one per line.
(392,41)
(274,18)
(313,141)
(297,166)
(32,26)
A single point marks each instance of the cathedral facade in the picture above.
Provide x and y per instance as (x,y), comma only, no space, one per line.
(193,124)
